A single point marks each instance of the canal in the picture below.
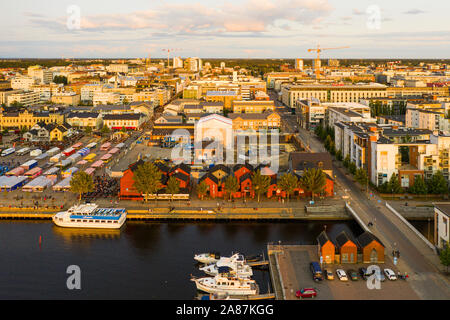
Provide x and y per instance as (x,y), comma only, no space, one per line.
(144,260)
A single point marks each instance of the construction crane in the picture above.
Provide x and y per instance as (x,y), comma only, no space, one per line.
(317,60)
(168,55)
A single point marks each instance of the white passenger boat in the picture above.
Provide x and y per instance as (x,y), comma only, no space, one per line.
(90,216)
(207,258)
(228,285)
(234,265)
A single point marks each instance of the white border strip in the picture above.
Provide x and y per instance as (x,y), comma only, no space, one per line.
(428,243)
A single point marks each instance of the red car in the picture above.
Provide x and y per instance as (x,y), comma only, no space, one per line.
(306,293)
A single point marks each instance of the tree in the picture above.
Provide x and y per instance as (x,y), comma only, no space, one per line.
(361,177)
(394,185)
(419,186)
(88,130)
(60,79)
(172,186)
(231,185)
(288,183)
(314,181)
(339,155)
(438,184)
(202,189)
(347,161)
(444,256)
(352,168)
(147,179)
(80,183)
(260,183)
(105,130)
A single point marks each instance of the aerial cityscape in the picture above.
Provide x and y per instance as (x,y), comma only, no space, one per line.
(257,151)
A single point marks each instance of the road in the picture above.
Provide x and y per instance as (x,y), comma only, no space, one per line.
(421,263)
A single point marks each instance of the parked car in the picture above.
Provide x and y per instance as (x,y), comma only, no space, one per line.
(341,275)
(352,274)
(390,274)
(306,293)
(328,274)
(316,271)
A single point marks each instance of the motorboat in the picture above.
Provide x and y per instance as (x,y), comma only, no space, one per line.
(230,285)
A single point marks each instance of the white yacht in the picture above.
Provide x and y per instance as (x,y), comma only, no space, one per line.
(207,258)
(228,285)
(234,265)
(90,216)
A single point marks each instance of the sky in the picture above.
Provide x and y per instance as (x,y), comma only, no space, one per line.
(224,28)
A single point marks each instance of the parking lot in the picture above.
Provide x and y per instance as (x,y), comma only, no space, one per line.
(294,266)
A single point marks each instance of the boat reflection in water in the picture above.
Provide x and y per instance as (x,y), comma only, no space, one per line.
(71,235)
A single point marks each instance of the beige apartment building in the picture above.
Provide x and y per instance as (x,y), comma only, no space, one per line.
(331,93)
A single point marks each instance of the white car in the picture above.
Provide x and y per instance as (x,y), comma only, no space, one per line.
(341,275)
(390,274)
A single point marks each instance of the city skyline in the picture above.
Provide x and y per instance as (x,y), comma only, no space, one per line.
(225,29)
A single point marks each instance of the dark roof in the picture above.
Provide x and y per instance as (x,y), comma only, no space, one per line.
(162,167)
(366,238)
(210,176)
(444,208)
(83,115)
(322,238)
(183,166)
(306,160)
(180,176)
(342,239)
(245,176)
(134,166)
(123,116)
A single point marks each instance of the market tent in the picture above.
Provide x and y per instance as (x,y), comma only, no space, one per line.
(38,184)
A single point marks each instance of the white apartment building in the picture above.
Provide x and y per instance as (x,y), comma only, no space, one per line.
(23,83)
(347,112)
(441,224)
(177,62)
(26,98)
(42,76)
(117,68)
(101,98)
(88,91)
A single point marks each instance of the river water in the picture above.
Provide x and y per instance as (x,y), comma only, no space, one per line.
(143,260)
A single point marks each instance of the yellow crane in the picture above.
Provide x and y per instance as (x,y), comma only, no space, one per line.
(317,60)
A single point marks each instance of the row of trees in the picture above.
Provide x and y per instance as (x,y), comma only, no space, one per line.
(313,180)
(377,108)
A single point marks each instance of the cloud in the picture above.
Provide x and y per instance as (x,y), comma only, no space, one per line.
(197,18)
(414,11)
(358,12)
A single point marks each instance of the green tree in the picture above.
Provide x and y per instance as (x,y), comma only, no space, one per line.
(202,189)
(419,186)
(173,186)
(260,183)
(328,142)
(314,181)
(105,130)
(394,185)
(438,184)
(80,183)
(444,256)
(352,168)
(88,130)
(147,179)
(347,161)
(231,185)
(361,177)
(339,155)
(288,183)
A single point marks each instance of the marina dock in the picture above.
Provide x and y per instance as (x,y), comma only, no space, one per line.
(190,214)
